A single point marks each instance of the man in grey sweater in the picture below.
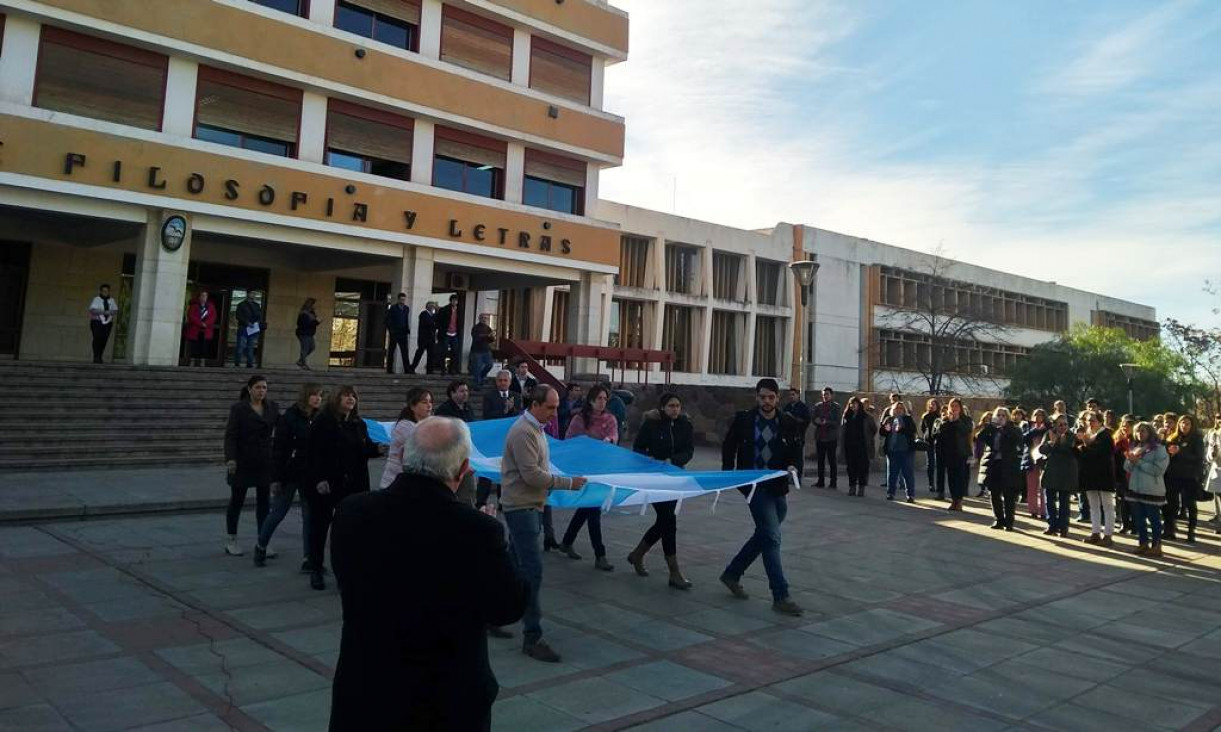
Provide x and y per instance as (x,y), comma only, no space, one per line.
(525,482)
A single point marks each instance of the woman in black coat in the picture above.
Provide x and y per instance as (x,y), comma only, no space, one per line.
(1097,477)
(339,449)
(290,471)
(953,445)
(248,436)
(665,434)
(1001,466)
(1186,447)
(857,430)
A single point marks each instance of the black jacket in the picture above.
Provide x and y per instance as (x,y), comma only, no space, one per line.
(494,406)
(1188,462)
(953,438)
(856,431)
(906,440)
(801,412)
(738,450)
(515,387)
(442,321)
(1096,467)
(248,441)
(398,319)
(307,323)
(1002,468)
(662,438)
(339,454)
(290,451)
(414,652)
(248,312)
(426,331)
(450,408)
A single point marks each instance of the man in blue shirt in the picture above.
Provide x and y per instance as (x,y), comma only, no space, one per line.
(398,326)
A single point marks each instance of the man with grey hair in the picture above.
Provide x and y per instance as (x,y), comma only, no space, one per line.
(526,481)
(421,575)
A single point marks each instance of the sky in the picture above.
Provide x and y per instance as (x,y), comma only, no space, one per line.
(1075,141)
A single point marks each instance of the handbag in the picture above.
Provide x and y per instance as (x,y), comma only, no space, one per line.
(921,444)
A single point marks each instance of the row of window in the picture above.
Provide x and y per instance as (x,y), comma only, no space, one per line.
(95,78)
(683,272)
(467,40)
(1138,328)
(907,289)
(903,351)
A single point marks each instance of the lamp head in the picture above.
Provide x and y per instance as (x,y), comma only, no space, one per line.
(1129,369)
(805,270)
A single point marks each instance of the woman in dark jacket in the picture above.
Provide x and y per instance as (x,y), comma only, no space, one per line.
(1031,465)
(290,471)
(1001,465)
(339,451)
(665,434)
(1059,478)
(307,327)
(1097,477)
(1186,447)
(248,434)
(857,430)
(928,430)
(953,446)
(899,437)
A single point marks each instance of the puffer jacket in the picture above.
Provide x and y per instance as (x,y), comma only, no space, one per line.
(290,451)
(1146,476)
(1188,462)
(1003,467)
(662,438)
(1060,469)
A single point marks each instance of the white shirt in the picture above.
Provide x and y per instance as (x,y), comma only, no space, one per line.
(99,312)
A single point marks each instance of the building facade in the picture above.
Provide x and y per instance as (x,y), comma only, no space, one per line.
(341,150)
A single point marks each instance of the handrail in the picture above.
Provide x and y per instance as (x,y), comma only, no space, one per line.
(530,351)
(513,351)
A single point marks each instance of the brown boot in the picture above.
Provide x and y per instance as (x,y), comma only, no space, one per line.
(1143,549)
(677,580)
(1155,550)
(636,557)
(1094,539)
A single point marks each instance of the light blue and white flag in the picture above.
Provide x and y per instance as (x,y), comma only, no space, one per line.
(617,476)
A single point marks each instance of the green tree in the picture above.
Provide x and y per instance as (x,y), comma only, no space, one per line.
(1084,363)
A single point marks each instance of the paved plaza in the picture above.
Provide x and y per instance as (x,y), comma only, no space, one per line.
(916,619)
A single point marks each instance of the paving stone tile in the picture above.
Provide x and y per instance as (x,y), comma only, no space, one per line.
(63,683)
(669,681)
(204,658)
(198,723)
(42,620)
(281,615)
(55,648)
(1027,630)
(524,713)
(915,714)
(870,627)
(263,681)
(119,709)
(1144,634)
(143,607)
(1113,649)
(513,668)
(1201,690)
(1011,690)
(840,694)
(1100,604)
(314,639)
(1075,717)
(724,622)
(595,700)
(300,713)
(798,644)
(15,691)
(685,722)
(1074,664)
(895,670)
(33,718)
(1141,709)
(964,651)
(760,711)
(583,650)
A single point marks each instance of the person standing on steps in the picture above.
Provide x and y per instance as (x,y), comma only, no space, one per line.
(426,338)
(398,329)
(339,450)
(248,456)
(898,433)
(1212,475)
(525,469)
(763,438)
(201,328)
(855,432)
(482,338)
(290,471)
(249,325)
(593,421)
(449,328)
(102,312)
(307,328)
(665,434)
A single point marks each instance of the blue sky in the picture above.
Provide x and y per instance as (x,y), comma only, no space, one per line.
(1065,140)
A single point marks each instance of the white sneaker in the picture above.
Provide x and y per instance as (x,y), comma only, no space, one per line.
(232,549)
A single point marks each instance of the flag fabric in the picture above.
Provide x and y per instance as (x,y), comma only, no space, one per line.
(618,477)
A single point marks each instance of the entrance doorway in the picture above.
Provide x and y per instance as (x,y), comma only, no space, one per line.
(358,324)
(14,276)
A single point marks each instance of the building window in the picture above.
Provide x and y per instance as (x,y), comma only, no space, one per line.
(677,336)
(726,276)
(368,140)
(393,22)
(469,163)
(240,111)
(513,314)
(474,42)
(300,8)
(769,282)
(902,351)
(681,274)
(1137,328)
(554,183)
(728,329)
(633,261)
(907,289)
(94,78)
(769,339)
(627,324)
(559,317)
(560,70)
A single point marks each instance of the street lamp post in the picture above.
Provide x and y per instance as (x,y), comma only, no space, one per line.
(804,271)
(1129,370)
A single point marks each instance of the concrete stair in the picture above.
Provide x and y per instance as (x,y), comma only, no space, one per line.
(60,416)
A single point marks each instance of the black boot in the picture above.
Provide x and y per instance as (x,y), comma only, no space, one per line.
(316,581)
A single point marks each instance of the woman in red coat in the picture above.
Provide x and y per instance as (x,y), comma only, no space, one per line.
(201,328)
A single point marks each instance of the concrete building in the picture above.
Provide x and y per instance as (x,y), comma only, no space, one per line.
(343,150)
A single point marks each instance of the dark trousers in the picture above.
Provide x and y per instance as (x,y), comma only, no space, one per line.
(425,348)
(857,459)
(826,451)
(321,512)
(936,471)
(1004,502)
(397,341)
(1084,502)
(101,334)
(1170,512)
(664,528)
(450,344)
(1181,493)
(592,516)
(1057,503)
(958,475)
(237,499)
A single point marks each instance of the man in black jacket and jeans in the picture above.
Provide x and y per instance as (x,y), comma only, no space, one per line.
(421,575)
(764,438)
(398,326)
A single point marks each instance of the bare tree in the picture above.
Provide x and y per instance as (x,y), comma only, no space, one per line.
(943,325)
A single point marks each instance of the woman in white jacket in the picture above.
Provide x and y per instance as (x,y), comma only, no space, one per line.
(1212,472)
(419,407)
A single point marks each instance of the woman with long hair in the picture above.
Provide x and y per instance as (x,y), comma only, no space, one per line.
(594,421)
(1146,461)
(307,327)
(899,432)
(1186,447)
(417,409)
(1059,478)
(248,458)
(1123,442)
(1212,477)
(340,449)
(928,426)
(977,454)
(1097,477)
(1031,465)
(1001,465)
(665,434)
(857,431)
(954,434)
(290,471)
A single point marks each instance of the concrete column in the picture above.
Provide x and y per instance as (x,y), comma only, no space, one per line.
(322,12)
(597,83)
(180,86)
(423,143)
(704,347)
(515,172)
(548,307)
(158,296)
(748,362)
(520,74)
(312,137)
(584,317)
(19,62)
(414,276)
(592,173)
(430,28)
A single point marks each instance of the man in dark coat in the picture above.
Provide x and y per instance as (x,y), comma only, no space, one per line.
(398,327)
(801,412)
(426,338)
(414,654)
(522,383)
(501,401)
(764,438)
(449,335)
(826,416)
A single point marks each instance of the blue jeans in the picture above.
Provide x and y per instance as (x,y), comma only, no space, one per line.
(901,465)
(279,509)
(525,526)
(245,344)
(481,364)
(451,351)
(768,511)
(1147,517)
(1057,509)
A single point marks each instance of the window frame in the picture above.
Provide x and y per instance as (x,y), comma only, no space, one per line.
(403,122)
(250,84)
(303,7)
(544,45)
(465,138)
(465,16)
(414,30)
